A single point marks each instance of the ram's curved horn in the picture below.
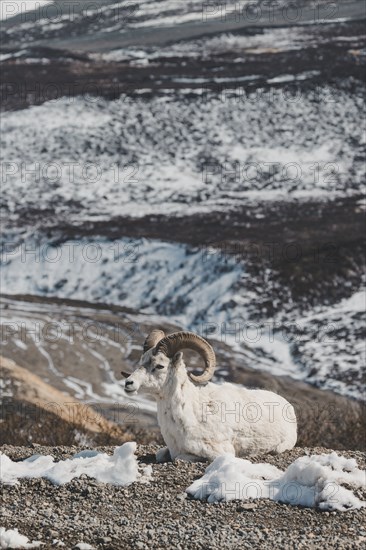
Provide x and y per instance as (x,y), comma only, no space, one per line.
(153,338)
(177,341)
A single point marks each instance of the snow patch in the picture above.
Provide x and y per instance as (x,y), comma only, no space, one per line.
(119,469)
(11,538)
(311,481)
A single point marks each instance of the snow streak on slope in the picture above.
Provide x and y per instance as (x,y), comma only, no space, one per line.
(330,344)
(134,156)
(80,356)
(275,40)
(324,347)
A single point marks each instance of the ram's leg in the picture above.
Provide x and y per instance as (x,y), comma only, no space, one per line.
(163,455)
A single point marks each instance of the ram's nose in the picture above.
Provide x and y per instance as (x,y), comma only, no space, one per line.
(129,386)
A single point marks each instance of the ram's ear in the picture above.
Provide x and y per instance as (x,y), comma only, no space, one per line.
(177,357)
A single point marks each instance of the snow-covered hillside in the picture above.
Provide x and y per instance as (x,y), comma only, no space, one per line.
(185,284)
(200,291)
(92,158)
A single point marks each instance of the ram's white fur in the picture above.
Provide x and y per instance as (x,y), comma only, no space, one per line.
(205,421)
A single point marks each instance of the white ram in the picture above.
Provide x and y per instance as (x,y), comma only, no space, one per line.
(200,419)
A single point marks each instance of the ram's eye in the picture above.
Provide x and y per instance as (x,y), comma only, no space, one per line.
(159,366)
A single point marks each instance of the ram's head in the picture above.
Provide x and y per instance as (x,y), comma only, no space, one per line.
(162,357)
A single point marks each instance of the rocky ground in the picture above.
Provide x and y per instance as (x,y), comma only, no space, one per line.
(159,515)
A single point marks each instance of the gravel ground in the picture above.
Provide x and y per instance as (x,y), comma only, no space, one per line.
(158,515)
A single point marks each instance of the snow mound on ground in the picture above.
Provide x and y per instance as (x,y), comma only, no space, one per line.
(311,481)
(11,538)
(119,469)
